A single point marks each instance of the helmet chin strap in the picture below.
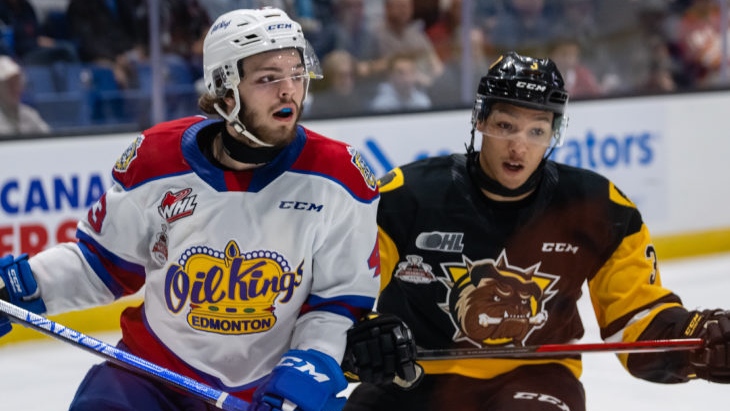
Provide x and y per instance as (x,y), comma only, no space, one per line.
(233,121)
(239,150)
(243,153)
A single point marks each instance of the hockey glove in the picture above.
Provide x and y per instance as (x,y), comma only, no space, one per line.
(381,350)
(18,286)
(712,362)
(303,380)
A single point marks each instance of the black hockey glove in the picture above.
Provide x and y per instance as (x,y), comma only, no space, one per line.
(712,362)
(381,350)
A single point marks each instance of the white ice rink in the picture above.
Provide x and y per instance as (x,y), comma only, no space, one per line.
(42,376)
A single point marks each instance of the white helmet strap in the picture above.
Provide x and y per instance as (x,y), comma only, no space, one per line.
(233,120)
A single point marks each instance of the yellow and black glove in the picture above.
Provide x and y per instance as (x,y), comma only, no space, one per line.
(711,362)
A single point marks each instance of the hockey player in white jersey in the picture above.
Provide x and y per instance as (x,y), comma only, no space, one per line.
(254,239)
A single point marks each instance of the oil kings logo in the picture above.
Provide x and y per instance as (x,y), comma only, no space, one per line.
(493,303)
(175,206)
(128,155)
(361,165)
(230,292)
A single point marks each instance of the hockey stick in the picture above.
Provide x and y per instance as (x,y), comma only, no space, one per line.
(551,350)
(124,359)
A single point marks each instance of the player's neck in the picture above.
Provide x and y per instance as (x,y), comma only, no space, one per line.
(504,199)
(221,154)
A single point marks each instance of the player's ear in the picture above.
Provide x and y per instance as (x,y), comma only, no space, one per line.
(229,99)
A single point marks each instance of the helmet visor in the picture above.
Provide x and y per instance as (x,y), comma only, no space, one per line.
(503,126)
(311,62)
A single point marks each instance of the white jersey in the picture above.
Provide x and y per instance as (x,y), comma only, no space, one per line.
(237,267)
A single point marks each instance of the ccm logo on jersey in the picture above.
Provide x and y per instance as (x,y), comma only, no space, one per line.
(440,241)
(542,398)
(559,248)
(300,205)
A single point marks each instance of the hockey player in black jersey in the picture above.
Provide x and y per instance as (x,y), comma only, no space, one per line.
(491,248)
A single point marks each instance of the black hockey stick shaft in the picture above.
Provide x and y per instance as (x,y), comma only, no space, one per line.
(554,350)
(124,359)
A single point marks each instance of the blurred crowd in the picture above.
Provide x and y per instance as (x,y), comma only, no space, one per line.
(87,62)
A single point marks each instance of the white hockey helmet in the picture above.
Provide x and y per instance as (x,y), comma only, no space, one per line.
(242,33)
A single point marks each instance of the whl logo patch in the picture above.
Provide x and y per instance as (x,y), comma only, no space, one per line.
(175,206)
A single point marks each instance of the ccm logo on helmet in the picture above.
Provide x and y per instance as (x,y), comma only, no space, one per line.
(531,86)
(278,26)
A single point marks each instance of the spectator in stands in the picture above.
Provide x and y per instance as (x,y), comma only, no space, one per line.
(659,79)
(486,14)
(701,35)
(662,71)
(183,25)
(337,93)
(446,36)
(29,44)
(398,33)
(348,31)
(578,20)
(105,33)
(16,118)
(526,26)
(427,11)
(401,91)
(186,40)
(445,32)
(580,81)
(599,39)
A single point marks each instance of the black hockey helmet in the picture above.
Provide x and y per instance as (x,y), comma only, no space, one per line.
(526,82)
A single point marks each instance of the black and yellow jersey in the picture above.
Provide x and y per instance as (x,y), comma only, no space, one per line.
(464,271)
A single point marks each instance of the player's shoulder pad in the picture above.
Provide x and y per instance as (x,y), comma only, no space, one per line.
(617,196)
(584,182)
(422,174)
(391,180)
(155,153)
(339,162)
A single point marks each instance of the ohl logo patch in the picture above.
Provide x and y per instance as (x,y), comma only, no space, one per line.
(492,303)
(230,292)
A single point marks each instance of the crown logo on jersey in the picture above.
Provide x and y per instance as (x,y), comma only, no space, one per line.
(230,292)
